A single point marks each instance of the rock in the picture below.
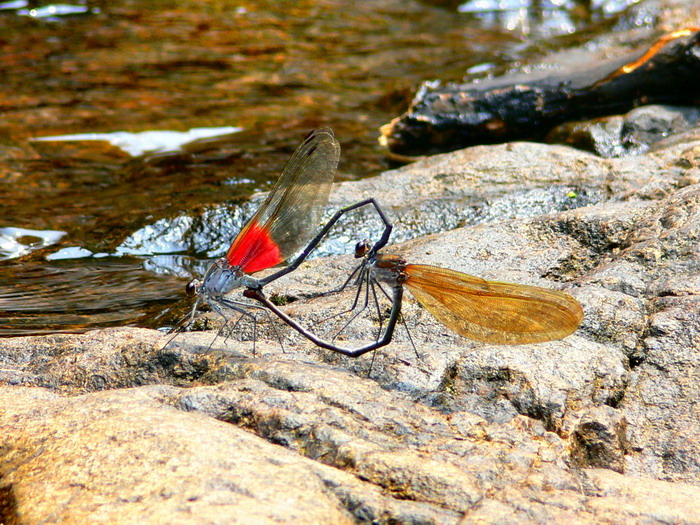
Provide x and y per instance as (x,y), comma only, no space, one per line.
(630,134)
(351,451)
(461,431)
(600,439)
(599,79)
(123,425)
(122,456)
(119,423)
(633,266)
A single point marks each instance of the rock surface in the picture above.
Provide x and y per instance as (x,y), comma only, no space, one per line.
(125,426)
(602,427)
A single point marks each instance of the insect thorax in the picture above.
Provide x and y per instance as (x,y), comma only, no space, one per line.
(221,278)
(387,268)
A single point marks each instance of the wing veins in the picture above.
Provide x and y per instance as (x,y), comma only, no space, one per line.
(491,311)
(296,202)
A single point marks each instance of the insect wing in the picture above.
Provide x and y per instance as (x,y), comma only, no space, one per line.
(286,221)
(493,312)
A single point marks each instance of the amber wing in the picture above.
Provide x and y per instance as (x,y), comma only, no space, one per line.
(493,312)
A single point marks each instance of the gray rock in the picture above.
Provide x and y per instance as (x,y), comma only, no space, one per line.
(466,430)
(351,451)
(124,457)
(639,130)
(121,424)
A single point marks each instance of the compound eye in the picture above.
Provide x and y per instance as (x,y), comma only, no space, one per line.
(192,287)
(361,248)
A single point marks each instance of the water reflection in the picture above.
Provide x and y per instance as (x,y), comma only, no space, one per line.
(542,17)
(157,141)
(70,252)
(16,242)
(55,11)
(69,295)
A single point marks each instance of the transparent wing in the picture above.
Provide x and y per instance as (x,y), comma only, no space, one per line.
(288,218)
(493,312)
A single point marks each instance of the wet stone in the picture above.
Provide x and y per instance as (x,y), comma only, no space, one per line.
(631,134)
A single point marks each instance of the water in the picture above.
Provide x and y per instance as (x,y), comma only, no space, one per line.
(148,113)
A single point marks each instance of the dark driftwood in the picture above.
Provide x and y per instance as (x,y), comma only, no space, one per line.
(526,107)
